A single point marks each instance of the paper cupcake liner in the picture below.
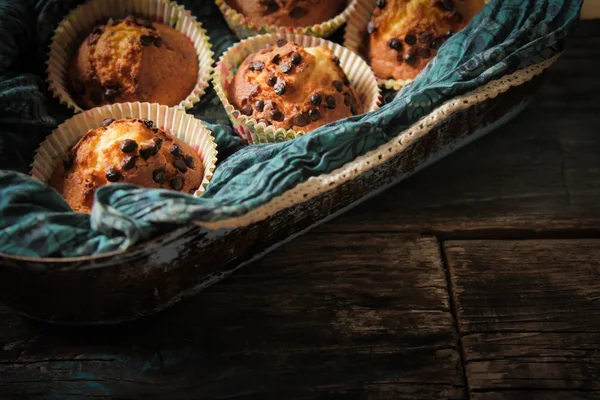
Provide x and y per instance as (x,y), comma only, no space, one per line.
(244,27)
(175,121)
(360,75)
(80,22)
(356,38)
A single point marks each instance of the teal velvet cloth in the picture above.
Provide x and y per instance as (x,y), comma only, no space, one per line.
(35,221)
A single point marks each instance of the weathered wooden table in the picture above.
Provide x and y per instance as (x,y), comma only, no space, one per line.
(477,278)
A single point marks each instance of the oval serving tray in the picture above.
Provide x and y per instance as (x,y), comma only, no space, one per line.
(122,286)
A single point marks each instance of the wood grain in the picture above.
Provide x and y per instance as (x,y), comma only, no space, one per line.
(527,316)
(534,177)
(328,316)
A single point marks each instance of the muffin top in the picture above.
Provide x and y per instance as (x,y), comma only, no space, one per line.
(292,13)
(133,59)
(126,151)
(405,34)
(292,87)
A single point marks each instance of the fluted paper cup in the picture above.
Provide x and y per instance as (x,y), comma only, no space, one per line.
(359,73)
(175,121)
(244,27)
(80,22)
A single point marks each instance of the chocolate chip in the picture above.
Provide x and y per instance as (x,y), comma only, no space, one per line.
(158,142)
(159,175)
(381,3)
(301,119)
(426,38)
(113,175)
(97,30)
(180,165)
(148,150)
(128,146)
(347,99)
(158,41)
(247,109)
(257,66)
(316,99)
(189,161)
(272,6)
(174,150)
(457,17)
(298,12)
(276,59)
(330,100)
(424,52)
(314,114)
(128,162)
(177,183)
(338,85)
(107,121)
(286,67)
(260,105)
(410,58)
(335,59)
(410,39)
(395,44)
(346,80)
(353,109)
(445,4)
(149,124)
(371,27)
(435,43)
(272,80)
(67,162)
(276,115)
(296,58)
(146,40)
(281,42)
(110,94)
(155,130)
(279,88)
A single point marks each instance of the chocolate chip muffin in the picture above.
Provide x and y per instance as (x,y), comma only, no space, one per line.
(133,59)
(126,151)
(405,34)
(294,13)
(292,87)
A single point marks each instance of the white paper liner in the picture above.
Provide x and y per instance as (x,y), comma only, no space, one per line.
(355,38)
(244,27)
(359,73)
(80,22)
(175,121)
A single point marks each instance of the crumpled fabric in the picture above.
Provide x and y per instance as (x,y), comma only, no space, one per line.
(35,221)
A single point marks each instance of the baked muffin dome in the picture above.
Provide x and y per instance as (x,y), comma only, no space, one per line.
(133,59)
(126,151)
(405,34)
(294,13)
(292,87)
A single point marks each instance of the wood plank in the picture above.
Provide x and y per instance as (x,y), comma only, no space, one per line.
(538,175)
(327,316)
(527,314)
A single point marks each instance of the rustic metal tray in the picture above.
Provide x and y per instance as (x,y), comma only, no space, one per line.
(122,286)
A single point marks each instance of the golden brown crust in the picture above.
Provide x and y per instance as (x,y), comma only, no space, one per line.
(133,60)
(405,34)
(126,151)
(292,87)
(293,13)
